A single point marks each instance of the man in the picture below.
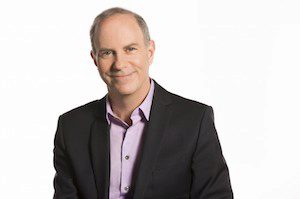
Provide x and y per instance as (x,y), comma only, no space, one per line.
(139,141)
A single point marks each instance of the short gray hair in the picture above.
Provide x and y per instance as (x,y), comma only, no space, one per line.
(110,12)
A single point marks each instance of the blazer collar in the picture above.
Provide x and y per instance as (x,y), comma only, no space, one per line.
(153,135)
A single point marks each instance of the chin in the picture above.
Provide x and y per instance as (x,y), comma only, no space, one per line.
(126,89)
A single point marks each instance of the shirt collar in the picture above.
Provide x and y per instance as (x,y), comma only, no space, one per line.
(145,106)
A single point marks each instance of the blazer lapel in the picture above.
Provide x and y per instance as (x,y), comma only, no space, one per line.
(153,136)
(100,150)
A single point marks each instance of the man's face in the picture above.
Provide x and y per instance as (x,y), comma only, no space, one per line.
(123,58)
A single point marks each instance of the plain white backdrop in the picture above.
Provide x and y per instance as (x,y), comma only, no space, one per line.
(240,57)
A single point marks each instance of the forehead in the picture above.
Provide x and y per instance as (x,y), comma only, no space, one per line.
(119,29)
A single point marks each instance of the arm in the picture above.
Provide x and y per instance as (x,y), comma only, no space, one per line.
(210,175)
(63,182)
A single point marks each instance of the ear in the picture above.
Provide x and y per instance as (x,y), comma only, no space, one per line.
(93,57)
(151,50)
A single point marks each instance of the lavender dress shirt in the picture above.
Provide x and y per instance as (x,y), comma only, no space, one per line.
(125,146)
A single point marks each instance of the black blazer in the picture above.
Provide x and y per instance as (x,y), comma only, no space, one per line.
(181,154)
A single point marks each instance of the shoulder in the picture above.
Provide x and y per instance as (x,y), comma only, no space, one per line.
(81,112)
(180,100)
(183,107)
(189,106)
(177,100)
(189,114)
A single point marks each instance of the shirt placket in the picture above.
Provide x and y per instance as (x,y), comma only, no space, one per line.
(127,160)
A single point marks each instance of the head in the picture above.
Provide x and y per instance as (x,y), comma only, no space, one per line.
(122,50)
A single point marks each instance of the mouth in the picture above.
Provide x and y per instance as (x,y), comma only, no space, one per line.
(121,76)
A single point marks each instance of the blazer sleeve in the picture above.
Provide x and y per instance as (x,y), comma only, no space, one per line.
(63,183)
(210,175)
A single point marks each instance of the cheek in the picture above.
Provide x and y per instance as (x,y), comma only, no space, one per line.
(139,61)
(103,66)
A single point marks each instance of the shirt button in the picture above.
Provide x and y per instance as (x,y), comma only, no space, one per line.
(127,157)
(126,188)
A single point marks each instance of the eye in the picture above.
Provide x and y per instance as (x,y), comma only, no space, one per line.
(104,54)
(129,49)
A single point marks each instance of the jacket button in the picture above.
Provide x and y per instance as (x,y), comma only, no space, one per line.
(126,157)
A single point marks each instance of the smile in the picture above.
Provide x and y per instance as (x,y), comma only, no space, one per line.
(121,76)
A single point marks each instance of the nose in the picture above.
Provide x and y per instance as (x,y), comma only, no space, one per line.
(119,62)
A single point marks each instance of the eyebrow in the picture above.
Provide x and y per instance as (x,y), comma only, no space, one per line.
(132,44)
(105,49)
(108,49)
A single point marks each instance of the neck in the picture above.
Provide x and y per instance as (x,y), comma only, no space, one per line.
(124,105)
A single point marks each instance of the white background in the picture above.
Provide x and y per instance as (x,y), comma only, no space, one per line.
(240,57)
